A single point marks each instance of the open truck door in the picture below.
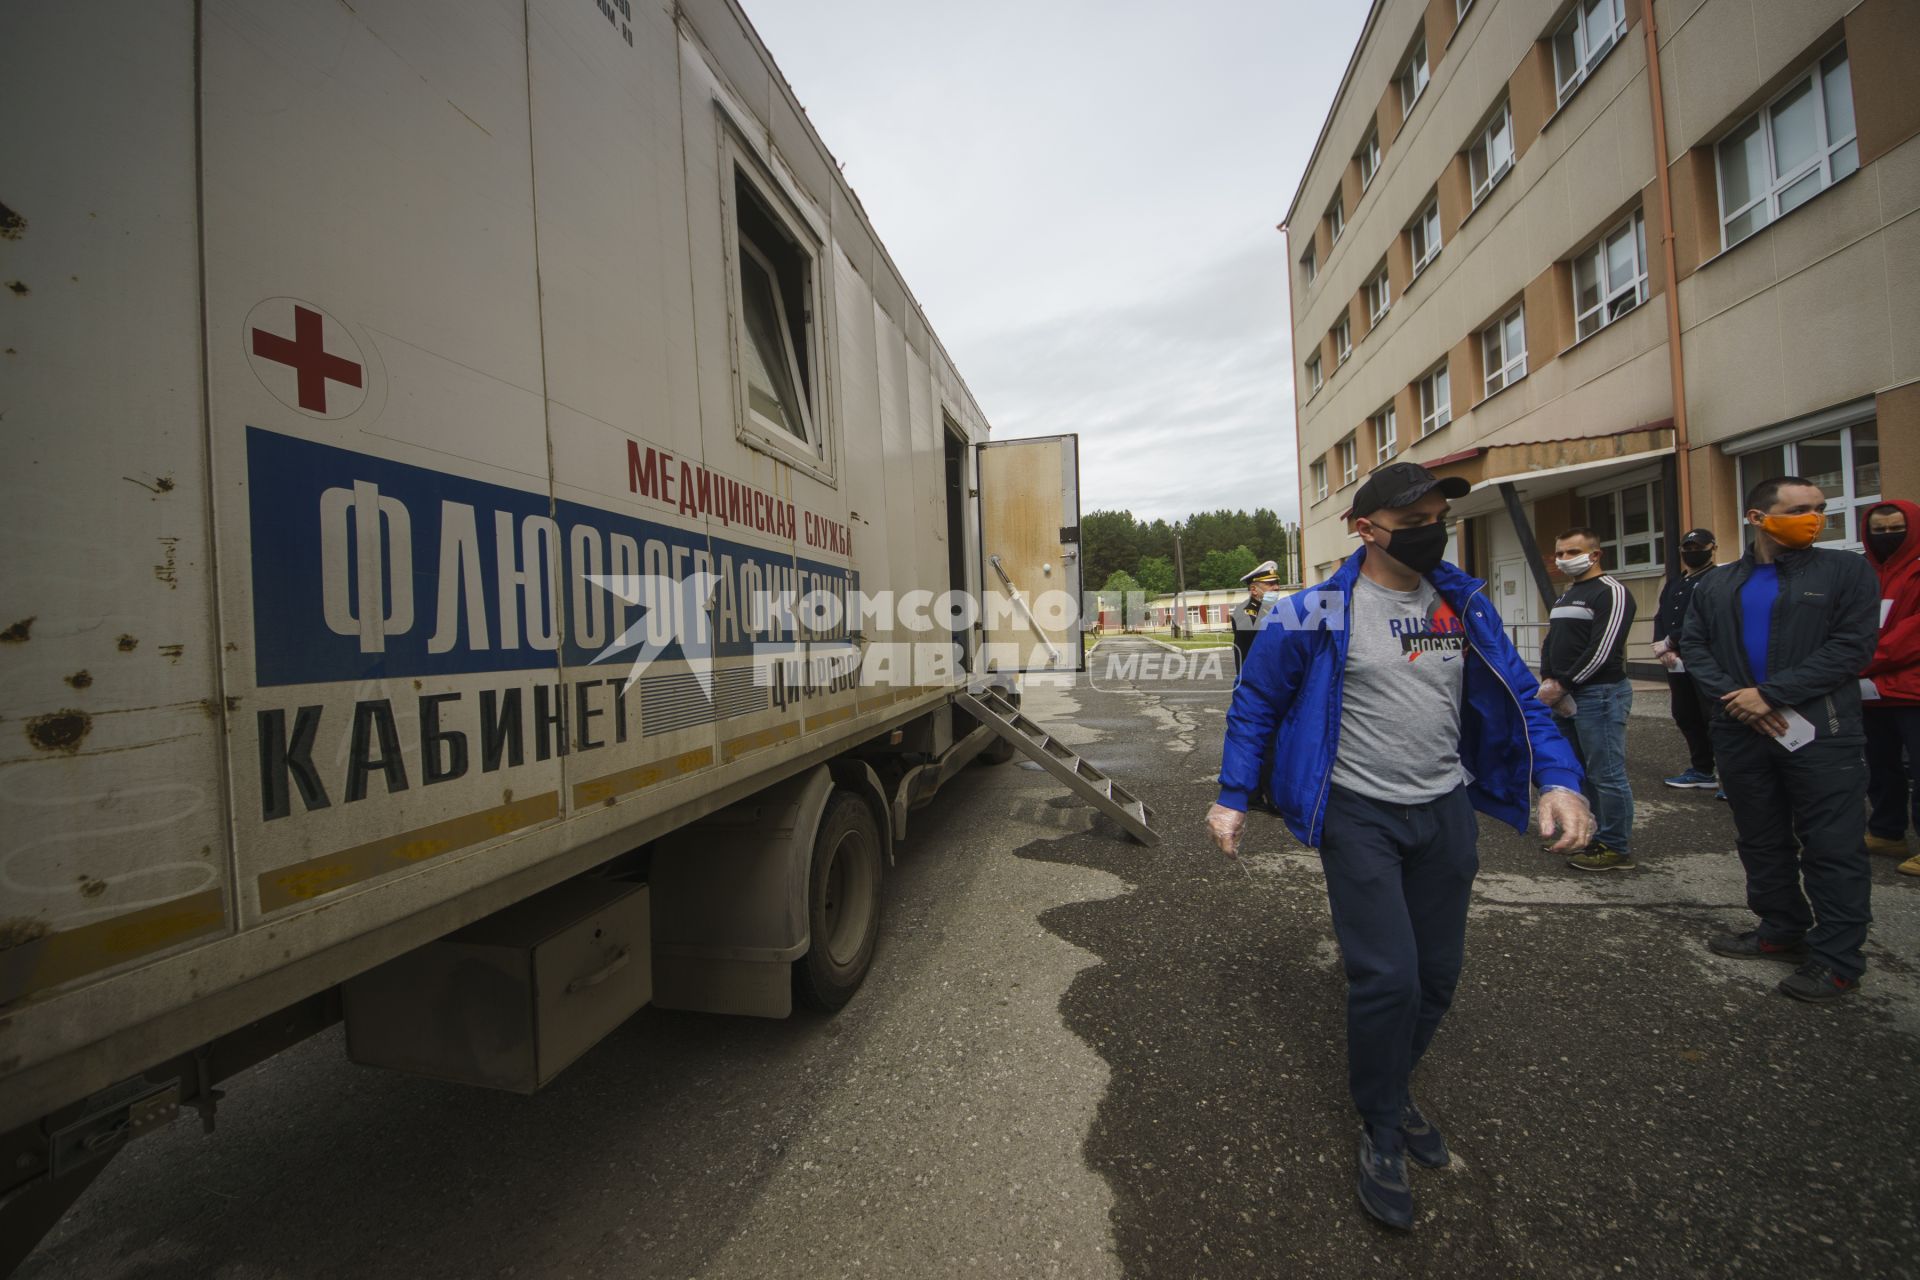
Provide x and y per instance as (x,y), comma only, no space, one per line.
(1030,554)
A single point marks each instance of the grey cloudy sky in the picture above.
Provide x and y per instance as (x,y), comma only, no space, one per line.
(1082,194)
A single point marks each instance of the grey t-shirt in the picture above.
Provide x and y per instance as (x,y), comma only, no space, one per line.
(1400,714)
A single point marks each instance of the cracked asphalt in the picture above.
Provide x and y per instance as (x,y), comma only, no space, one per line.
(1076,1056)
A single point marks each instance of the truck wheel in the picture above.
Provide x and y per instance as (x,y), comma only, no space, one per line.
(843,906)
(999,751)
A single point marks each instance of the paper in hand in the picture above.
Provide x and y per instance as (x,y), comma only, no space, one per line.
(1869,692)
(1799,732)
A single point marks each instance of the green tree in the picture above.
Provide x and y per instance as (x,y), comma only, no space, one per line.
(1220,569)
(1109,541)
(1156,575)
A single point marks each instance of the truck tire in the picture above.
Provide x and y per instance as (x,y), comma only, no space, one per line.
(843,906)
(999,751)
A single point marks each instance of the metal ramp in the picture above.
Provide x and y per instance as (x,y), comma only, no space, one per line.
(992,709)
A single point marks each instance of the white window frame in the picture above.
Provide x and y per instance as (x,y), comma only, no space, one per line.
(1586,54)
(1386,435)
(1652,542)
(1616,297)
(814,454)
(1414,75)
(1460,8)
(1379,291)
(1772,185)
(1434,394)
(1337,217)
(1343,340)
(1319,479)
(1369,157)
(1309,264)
(1843,508)
(1419,228)
(1482,153)
(1315,379)
(1349,449)
(1510,366)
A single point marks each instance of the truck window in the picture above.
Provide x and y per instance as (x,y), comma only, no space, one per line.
(775,310)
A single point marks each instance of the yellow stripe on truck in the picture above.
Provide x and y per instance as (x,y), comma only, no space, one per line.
(734,748)
(30,964)
(604,789)
(305,881)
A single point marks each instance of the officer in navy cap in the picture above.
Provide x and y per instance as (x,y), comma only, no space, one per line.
(1263,582)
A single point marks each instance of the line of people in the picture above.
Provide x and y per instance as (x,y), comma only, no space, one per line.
(1381,709)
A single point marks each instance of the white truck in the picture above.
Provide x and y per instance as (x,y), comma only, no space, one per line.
(444,445)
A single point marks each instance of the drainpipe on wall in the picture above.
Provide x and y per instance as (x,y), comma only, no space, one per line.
(1675,360)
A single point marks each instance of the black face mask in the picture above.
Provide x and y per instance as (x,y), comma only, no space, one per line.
(1883,545)
(1696,558)
(1419,549)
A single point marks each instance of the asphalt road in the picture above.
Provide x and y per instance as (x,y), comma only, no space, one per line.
(1079,1057)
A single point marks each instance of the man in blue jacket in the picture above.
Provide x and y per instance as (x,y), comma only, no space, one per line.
(1392,705)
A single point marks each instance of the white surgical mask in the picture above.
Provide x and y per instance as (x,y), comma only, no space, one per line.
(1575,567)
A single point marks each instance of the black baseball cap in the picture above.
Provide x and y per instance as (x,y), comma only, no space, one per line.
(1401,484)
(1698,537)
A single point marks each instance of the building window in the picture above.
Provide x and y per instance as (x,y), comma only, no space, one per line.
(1386,435)
(1349,461)
(1412,78)
(1610,279)
(1491,155)
(1369,158)
(775,329)
(1503,346)
(1308,265)
(1789,151)
(1337,218)
(1314,380)
(1628,521)
(1588,35)
(1319,479)
(1460,8)
(1423,235)
(1436,401)
(1343,339)
(1379,293)
(1844,462)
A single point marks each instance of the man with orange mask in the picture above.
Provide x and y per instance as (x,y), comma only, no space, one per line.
(1777,640)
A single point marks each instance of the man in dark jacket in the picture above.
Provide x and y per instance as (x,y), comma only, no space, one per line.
(1261,583)
(1689,705)
(1778,639)
(1585,658)
(1399,707)
(1891,683)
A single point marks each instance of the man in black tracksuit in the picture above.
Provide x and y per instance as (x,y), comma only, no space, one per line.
(1585,655)
(1787,628)
(1689,705)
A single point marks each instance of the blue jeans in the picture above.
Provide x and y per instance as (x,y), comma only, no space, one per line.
(1398,881)
(1599,733)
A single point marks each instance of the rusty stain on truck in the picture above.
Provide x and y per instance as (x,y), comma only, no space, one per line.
(59,731)
(165,570)
(12,225)
(19,632)
(80,679)
(127,643)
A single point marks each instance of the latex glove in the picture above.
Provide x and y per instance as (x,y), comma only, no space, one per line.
(1565,814)
(1225,825)
(1551,691)
(1669,659)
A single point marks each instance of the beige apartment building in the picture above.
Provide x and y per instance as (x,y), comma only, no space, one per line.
(1607,285)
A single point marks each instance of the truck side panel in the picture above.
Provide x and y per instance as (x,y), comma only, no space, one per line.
(111,718)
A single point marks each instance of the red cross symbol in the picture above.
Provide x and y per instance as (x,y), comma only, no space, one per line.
(307,353)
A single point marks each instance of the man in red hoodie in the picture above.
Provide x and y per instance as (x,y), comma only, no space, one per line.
(1890,686)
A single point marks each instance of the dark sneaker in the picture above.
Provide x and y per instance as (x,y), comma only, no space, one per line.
(1424,1142)
(1751,946)
(1600,858)
(1817,984)
(1384,1192)
(1721,794)
(1693,778)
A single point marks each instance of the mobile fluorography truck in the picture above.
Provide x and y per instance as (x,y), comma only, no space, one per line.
(452,455)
